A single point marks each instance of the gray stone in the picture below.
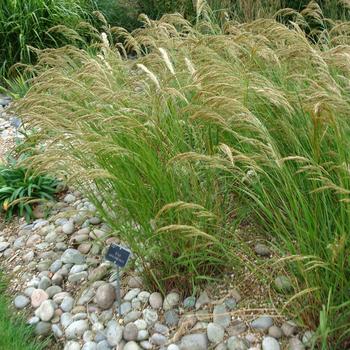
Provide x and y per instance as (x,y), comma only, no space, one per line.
(142,334)
(114,333)
(105,296)
(262,249)
(144,296)
(262,322)
(221,316)
(29,291)
(275,332)
(141,324)
(69,198)
(44,283)
(215,333)
(145,344)
(88,336)
(150,316)
(231,303)
(43,328)
(189,303)
(86,296)
(33,320)
(76,329)
(197,341)
(103,345)
(67,304)
(135,282)
(91,345)
(46,310)
(66,319)
(77,277)
(161,328)
(283,284)
(236,328)
(72,345)
(28,257)
(171,318)
(295,344)
(308,338)
(21,301)
(68,228)
(131,345)
(106,315)
(202,300)
(131,294)
(57,330)
(53,290)
(236,343)
(57,279)
(4,246)
(270,343)
(170,301)
(125,308)
(158,339)
(78,268)
(289,328)
(72,256)
(172,347)
(156,300)
(130,332)
(98,273)
(132,316)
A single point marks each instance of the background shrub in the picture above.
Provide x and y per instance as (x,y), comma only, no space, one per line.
(25,23)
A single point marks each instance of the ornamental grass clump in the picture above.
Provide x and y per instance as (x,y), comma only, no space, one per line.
(209,125)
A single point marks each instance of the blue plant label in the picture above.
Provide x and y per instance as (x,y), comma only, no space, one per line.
(118,255)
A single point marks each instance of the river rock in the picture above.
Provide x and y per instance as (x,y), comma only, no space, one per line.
(130,332)
(150,316)
(43,328)
(114,333)
(288,328)
(38,296)
(170,301)
(72,256)
(283,284)
(21,301)
(221,315)
(46,310)
(215,333)
(270,343)
(275,332)
(76,329)
(105,296)
(156,300)
(131,345)
(262,249)
(236,343)
(202,300)
(197,341)
(262,322)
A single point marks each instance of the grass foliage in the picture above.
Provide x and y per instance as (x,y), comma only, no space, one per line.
(210,122)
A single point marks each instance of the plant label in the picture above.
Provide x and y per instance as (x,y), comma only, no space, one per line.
(118,255)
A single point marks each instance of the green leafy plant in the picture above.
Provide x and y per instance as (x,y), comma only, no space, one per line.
(20,189)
